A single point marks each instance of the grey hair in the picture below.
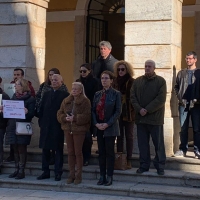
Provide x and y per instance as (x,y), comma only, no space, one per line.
(81,86)
(59,77)
(106,44)
(151,61)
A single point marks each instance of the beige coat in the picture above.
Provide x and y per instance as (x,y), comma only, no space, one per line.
(81,109)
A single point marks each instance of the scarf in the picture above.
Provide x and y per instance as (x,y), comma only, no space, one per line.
(19,96)
(101,107)
(121,83)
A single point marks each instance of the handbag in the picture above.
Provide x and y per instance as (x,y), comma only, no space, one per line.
(120,161)
(24,128)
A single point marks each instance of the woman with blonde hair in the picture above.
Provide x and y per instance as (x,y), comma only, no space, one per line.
(20,142)
(75,116)
(123,82)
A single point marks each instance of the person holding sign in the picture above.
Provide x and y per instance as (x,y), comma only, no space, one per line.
(20,142)
(3,123)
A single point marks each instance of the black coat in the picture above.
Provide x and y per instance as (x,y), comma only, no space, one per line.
(112,111)
(3,121)
(51,134)
(11,137)
(100,65)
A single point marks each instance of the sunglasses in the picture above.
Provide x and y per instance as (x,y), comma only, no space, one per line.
(121,69)
(84,71)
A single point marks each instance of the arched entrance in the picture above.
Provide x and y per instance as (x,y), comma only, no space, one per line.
(105,21)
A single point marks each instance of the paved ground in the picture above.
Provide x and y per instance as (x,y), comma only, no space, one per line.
(19,194)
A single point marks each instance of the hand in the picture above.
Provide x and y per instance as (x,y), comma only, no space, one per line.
(143,112)
(105,126)
(70,118)
(26,110)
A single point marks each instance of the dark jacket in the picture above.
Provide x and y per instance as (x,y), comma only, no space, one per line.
(51,134)
(181,87)
(100,65)
(128,113)
(11,137)
(44,87)
(112,111)
(150,94)
(3,121)
(82,114)
(90,86)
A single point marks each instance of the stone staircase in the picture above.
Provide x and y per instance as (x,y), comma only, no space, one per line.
(181,179)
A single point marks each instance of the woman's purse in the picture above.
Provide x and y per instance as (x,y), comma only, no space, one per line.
(120,161)
(24,128)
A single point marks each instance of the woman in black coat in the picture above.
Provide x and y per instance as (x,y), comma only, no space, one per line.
(20,142)
(106,111)
(3,124)
(51,134)
(91,87)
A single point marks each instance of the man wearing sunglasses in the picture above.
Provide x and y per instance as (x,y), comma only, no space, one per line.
(148,96)
(104,62)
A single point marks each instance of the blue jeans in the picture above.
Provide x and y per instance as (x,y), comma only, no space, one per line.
(184,115)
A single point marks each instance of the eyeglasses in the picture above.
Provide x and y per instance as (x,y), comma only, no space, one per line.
(104,78)
(84,71)
(120,69)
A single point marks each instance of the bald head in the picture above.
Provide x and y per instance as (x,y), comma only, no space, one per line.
(150,66)
(56,81)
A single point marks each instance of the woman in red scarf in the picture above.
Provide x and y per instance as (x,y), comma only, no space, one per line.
(106,110)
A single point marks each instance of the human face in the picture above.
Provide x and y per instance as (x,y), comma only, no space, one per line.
(84,72)
(76,90)
(51,73)
(18,86)
(55,82)
(190,60)
(104,51)
(149,68)
(106,81)
(121,70)
(17,75)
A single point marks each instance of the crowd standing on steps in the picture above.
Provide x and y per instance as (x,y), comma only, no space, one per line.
(105,102)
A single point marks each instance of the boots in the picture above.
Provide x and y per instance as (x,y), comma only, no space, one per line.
(109,181)
(22,164)
(13,175)
(102,180)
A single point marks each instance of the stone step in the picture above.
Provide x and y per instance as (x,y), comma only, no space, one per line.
(118,188)
(171,177)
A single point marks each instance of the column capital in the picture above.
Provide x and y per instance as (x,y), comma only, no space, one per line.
(42,3)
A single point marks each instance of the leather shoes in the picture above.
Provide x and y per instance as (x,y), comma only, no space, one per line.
(109,181)
(102,180)
(141,170)
(44,175)
(57,177)
(160,172)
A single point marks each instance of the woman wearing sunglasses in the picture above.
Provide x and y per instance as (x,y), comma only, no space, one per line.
(91,87)
(124,73)
(106,110)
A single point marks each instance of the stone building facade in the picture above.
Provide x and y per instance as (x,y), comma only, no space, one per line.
(40,34)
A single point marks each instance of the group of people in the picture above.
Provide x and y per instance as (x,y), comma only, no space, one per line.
(105,102)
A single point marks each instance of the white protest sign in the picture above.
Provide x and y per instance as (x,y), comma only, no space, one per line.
(0,98)
(13,109)
(9,89)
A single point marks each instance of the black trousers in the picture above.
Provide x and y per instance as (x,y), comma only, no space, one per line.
(46,157)
(144,131)
(106,147)
(2,133)
(87,147)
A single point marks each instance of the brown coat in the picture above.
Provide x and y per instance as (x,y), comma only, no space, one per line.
(81,111)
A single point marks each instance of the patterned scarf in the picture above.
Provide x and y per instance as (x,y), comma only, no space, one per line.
(18,95)
(101,107)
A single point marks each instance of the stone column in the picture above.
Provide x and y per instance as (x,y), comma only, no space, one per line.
(22,42)
(197,34)
(153,31)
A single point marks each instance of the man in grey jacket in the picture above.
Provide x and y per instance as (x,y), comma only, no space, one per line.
(187,90)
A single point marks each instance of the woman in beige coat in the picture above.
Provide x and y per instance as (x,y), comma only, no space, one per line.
(75,116)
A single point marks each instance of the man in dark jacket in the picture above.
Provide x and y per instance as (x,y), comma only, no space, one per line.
(3,124)
(187,90)
(148,96)
(104,62)
(51,134)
